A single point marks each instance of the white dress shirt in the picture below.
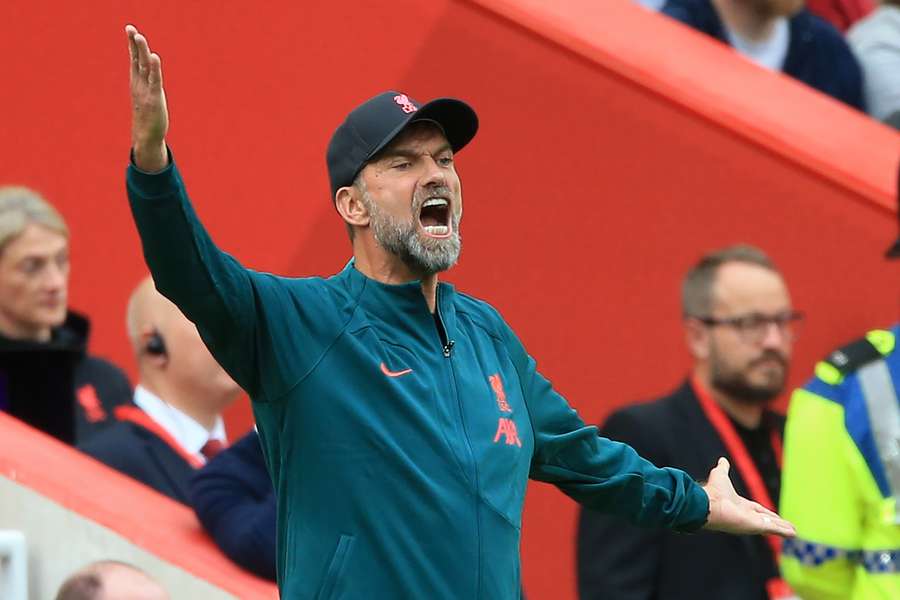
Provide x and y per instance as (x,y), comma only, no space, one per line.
(189,434)
(770,52)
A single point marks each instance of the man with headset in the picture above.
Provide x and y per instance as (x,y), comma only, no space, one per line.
(176,425)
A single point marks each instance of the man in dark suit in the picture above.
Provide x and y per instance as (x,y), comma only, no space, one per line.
(176,424)
(739,326)
(235,501)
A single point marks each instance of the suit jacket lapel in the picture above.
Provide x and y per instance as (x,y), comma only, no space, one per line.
(705,441)
(169,466)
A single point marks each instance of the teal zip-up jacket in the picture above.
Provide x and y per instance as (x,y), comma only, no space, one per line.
(399,452)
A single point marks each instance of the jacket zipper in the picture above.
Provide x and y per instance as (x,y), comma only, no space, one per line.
(447,350)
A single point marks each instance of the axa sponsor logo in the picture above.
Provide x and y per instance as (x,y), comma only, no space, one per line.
(506,429)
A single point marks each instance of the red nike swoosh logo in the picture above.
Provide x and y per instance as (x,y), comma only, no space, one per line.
(390,373)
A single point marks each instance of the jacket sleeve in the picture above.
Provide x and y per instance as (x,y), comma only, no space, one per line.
(240,314)
(615,559)
(235,501)
(601,474)
(816,563)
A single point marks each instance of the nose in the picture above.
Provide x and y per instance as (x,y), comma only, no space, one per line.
(434,173)
(55,276)
(776,336)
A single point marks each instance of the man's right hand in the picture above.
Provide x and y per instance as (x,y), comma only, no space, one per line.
(149,116)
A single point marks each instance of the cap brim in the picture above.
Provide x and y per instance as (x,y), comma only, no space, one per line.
(455,117)
(893,251)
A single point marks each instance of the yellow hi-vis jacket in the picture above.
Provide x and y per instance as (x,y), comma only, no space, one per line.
(841,475)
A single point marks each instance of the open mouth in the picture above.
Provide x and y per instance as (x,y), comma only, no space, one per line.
(434,217)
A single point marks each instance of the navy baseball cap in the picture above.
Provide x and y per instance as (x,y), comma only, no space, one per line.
(894,250)
(373,124)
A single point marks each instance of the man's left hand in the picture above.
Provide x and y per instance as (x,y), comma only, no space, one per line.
(732,513)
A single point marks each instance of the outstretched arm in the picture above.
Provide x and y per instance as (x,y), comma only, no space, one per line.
(611,477)
(240,313)
(149,114)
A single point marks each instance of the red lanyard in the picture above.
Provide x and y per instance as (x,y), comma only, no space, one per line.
(739,455)
(139,417)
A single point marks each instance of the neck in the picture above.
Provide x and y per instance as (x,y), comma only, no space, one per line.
(387,268)
(747,414)
(740,17)
(19,331)
(186,403)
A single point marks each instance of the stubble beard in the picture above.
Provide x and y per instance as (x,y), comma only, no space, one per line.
(422,255)
(738,386)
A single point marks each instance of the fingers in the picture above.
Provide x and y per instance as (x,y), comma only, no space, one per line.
(778,526)
(142,61)
(771,522)
(765,511)
(131,31)
(154,76)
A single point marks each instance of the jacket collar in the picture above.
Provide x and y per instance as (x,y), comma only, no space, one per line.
(400,305)
(71,336)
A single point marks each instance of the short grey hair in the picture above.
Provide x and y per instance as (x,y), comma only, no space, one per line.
(20,207)
(697,287)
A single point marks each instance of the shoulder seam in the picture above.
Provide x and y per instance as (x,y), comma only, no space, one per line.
(324,352)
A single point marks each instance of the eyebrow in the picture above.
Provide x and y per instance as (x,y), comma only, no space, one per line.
(400,152)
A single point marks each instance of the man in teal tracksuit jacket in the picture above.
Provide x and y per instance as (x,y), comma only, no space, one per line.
(400,419)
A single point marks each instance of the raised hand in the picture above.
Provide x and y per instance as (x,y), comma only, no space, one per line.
(149,115)
(731,513)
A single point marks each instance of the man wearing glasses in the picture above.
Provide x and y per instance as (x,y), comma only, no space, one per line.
(739,326)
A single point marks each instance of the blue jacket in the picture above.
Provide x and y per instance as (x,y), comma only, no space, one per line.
(234,500)
(141,454)
(818,55)
(399,441)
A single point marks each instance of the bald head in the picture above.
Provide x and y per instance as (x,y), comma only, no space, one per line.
(173,362)
(110,580)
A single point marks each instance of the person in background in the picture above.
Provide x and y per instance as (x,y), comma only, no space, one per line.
(235,501)
(840,13)
(875,41)
(841,479)
(111,580)
(779,35)
(176,425)
(739,326)
(47,376)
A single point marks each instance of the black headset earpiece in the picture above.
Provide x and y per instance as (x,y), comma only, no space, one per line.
(155,345)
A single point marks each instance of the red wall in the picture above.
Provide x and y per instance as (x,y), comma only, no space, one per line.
(615,148)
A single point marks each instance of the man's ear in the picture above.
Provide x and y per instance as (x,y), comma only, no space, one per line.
(157,359)
(697,338)
(348,201)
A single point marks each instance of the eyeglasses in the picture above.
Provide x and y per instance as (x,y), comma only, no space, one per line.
(753,328)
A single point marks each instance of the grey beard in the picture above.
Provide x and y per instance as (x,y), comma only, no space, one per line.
(426,256)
